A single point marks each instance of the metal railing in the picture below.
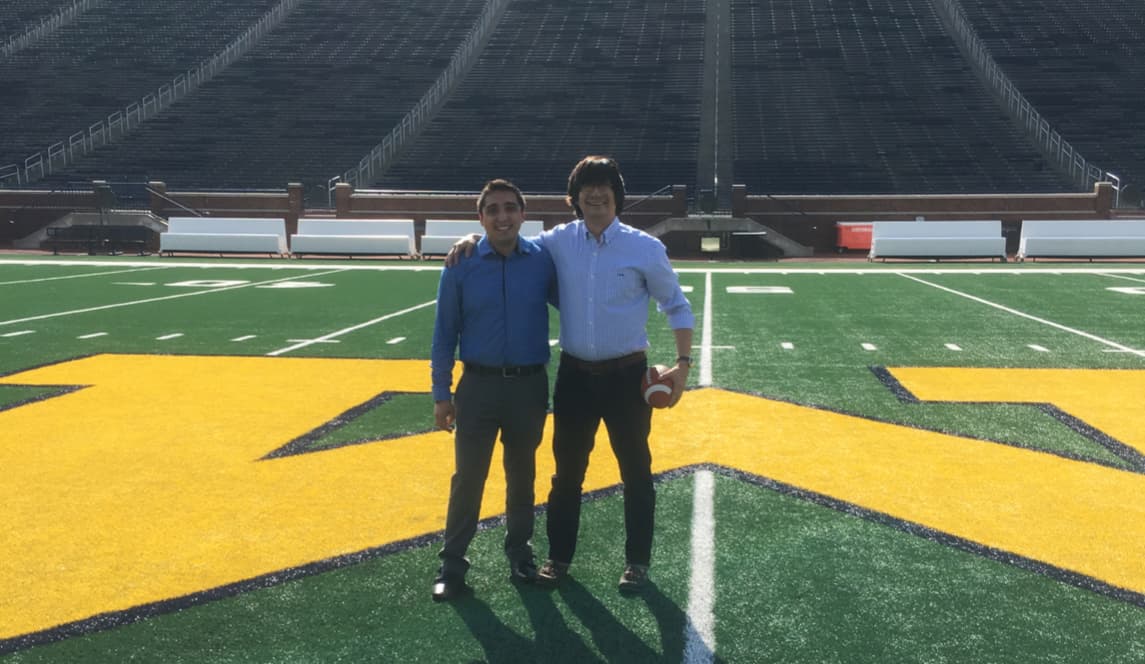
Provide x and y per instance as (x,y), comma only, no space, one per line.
(167,199)
(665,189)
(120,123)
(45,27)
(382,155)
(1061,154)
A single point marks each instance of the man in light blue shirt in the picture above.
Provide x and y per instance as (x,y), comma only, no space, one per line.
(494,305)
(607,272)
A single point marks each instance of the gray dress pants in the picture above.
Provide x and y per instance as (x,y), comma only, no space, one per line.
(485,405)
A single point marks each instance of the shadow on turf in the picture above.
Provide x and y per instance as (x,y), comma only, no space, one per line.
(501,644)
(557,642)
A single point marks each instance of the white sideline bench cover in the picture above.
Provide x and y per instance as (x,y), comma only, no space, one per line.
(1102,238)
(937,239)
(224,234)
(354,236)
(440,234)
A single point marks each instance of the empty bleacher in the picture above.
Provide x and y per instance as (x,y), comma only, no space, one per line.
(16,17)
(557,81)
(109,57)
(1082,65)
(845,97)
(304,105)
(865,98)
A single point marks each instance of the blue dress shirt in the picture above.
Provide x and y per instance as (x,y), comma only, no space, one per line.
(496,307)
(605,288)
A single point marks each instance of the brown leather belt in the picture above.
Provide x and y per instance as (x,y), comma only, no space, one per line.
(603,366)
(504,372)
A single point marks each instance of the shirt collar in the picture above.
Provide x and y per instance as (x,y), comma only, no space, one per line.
(484,248)
(607,236)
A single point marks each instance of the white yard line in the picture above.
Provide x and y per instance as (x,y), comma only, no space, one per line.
(333,335)
(151,299)
(1121,276)
(699,632)
(706,335)
(81,276)
(1043,321)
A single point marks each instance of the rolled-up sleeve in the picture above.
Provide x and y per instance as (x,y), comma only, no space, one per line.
(664,286)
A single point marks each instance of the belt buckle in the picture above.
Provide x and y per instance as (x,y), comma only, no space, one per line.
(509,372)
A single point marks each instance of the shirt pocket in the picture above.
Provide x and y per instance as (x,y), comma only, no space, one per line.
(623,286)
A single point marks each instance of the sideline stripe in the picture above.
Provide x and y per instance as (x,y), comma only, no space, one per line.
(82,276)
(706,335)
(435,266)
(699,632)
(154,299)
(333,335)
(1043,321)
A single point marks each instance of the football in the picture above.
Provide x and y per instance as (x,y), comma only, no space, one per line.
(657,391)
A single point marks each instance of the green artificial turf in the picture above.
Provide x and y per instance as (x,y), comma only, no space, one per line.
(799,582)
(795,581)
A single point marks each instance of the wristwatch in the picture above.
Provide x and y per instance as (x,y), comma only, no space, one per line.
(685,358)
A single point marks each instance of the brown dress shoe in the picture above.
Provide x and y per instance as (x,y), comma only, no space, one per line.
(634,579)
(551,573)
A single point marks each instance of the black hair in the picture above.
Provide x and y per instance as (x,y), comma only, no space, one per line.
(595,170)
(499,185)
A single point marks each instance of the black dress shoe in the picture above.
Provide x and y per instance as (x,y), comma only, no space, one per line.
(446,588)
(523,571)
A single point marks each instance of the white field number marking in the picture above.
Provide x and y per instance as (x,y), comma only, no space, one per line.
(759,290)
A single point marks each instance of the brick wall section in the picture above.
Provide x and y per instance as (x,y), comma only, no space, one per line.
(809,220)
